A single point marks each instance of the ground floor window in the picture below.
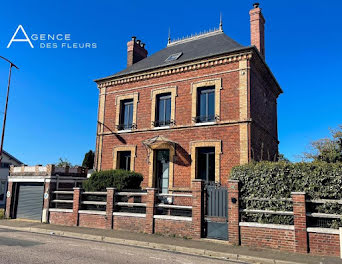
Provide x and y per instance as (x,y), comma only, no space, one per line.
(206,163)
(124,160)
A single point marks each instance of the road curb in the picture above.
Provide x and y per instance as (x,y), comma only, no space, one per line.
(172,248)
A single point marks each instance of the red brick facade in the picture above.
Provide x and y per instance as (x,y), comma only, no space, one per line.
(262,122)
(246,95)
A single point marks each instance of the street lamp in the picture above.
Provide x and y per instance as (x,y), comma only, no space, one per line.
(5,113)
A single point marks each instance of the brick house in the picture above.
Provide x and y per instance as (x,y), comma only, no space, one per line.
(193,110)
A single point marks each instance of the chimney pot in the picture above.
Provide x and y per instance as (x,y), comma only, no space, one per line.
(256,5)
(138,42)
(133,38)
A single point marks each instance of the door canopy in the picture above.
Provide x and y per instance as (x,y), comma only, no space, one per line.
(155,141)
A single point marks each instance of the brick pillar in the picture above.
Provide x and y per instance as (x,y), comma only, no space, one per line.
(76,205)
(49,188)
(110,207)
(233,212)
(9,199)
(150,210)
(197,207)
(299,215)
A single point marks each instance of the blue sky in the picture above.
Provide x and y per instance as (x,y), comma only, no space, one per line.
(53,101)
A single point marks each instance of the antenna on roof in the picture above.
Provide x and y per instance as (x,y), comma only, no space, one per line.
(220,27)
(169,39)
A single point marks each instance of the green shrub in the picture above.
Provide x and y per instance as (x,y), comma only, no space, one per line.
(2,213)
(119,179)
(278,179)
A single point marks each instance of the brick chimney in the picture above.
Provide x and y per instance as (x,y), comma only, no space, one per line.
(135,51)
(257,28)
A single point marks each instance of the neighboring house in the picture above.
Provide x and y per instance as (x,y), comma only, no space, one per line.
(6,162)
(191,111)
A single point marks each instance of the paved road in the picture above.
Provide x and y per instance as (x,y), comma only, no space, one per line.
(22,247)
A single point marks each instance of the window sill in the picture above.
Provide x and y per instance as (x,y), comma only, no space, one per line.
(205,123)
(124,131)
(161,127)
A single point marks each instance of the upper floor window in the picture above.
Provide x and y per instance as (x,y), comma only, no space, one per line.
(163,110)
(206,105)
(126,115)
(124,160)
(126,111)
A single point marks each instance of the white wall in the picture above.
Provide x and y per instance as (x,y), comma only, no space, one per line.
(3,177)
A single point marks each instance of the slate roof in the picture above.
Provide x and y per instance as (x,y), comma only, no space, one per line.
(202,46)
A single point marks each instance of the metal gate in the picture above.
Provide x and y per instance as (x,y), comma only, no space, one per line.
(30,201)
(216,212)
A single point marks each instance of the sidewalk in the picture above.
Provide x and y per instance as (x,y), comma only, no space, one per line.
(208,248)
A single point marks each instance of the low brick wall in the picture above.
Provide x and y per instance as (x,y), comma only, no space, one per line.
(173,227)
(129,223)
(263,237)
(61,218)
(324,244)
(92,220)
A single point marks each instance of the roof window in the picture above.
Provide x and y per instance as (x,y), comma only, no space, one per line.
(174,57)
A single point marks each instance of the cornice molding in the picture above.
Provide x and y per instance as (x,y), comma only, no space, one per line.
(200,64)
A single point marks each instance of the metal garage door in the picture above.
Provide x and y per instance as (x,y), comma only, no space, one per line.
(30,201)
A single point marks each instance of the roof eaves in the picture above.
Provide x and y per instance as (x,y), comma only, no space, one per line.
(268,68)
(115,76)
(12,157)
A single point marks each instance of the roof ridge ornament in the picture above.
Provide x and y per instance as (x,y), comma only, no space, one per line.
(169,38)
(188,38)
(221,24)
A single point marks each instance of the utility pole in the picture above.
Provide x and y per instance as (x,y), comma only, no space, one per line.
(5,113)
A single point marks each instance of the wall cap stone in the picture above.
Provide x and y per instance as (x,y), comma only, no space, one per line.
(322,230)
(272,226)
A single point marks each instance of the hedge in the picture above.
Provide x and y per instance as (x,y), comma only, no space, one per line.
(278,179)
(119,179)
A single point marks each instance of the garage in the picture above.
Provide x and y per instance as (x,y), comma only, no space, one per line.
(30,201)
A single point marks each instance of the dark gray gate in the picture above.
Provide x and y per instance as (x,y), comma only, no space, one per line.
(216,212)
(30,201)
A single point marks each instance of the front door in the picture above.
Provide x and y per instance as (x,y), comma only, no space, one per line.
(162,170)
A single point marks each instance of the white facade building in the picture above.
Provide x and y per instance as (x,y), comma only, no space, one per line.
(7,161)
